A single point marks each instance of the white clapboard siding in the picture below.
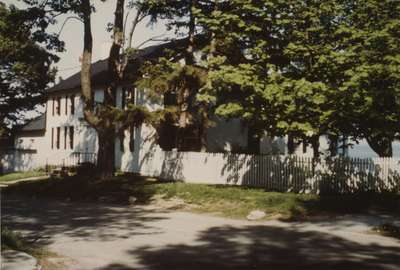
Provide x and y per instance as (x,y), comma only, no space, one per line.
(281,173)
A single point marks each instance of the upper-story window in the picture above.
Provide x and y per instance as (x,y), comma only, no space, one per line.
(66,105)
(58,106)
(53,106)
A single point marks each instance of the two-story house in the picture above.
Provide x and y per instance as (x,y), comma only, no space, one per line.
(62,136)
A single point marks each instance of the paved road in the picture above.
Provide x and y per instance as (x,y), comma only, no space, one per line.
(99,236)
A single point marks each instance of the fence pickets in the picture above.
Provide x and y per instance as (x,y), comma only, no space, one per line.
(298,174)
(280,173)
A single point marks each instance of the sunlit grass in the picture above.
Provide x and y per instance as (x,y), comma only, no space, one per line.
(20,175)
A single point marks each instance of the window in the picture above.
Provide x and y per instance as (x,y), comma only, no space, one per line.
(128,96)
(72,109)
(66,105)
(123,98)
(71,137)
(132,139)
(58,138)
(121,141)
(65,137)
(131,96)
(58,106)
(170,98)
(54,105)
(52,138)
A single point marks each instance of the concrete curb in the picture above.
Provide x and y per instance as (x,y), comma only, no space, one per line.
(16,260)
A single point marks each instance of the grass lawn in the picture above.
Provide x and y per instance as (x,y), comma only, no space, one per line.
(20,175)
(228,201)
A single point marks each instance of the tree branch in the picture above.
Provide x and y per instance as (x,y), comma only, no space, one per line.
(155,38)
(66,20)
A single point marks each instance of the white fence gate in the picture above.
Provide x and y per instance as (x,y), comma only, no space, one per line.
(280,173)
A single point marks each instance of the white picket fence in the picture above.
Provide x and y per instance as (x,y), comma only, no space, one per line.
(280,173)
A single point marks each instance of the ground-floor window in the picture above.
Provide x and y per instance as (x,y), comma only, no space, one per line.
(71,137)
(132,139)
(65,137)
(58,137)
(52,138)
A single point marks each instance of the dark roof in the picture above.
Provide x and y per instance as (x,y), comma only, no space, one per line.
(99,68)
(36,124)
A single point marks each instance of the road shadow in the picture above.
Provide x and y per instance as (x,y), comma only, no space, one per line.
(264,247)
(40,219)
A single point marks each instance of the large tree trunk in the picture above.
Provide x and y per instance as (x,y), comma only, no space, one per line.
(106,128)
(86,86)
(381,144)
(106,154)
(107,133)
(185,93)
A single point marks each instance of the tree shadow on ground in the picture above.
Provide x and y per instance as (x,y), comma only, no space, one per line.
(359,203)
(265,247)
(40,219)
(118,189)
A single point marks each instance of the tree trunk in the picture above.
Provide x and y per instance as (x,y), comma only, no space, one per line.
(106,154)
(203,131)
(135,22)
(106,128)
(381,144)
(86,86)
(185,92)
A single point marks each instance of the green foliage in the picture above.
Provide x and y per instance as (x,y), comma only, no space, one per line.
(371,89)
(307,68)
(27,53)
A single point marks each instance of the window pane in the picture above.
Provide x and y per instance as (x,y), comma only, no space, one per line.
(71,137)
(52,138)
(66,105)
(58,138)
(65,137)
(72,104)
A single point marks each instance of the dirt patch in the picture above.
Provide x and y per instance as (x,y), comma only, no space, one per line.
(160,202)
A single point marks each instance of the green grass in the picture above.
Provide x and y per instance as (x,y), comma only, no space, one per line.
(231,201)
(239,201)
(20,175)
(236,201)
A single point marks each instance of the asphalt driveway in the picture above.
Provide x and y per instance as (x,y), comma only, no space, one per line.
(101,236)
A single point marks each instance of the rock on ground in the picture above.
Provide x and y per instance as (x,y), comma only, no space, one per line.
(255,215)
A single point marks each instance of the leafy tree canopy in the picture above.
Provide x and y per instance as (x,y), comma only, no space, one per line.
(26,55)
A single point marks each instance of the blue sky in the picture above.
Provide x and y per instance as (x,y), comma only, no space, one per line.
(72,35)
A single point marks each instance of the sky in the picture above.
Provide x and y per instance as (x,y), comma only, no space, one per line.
(72,35)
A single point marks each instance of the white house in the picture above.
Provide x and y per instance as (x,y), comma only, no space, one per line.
(62,136)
